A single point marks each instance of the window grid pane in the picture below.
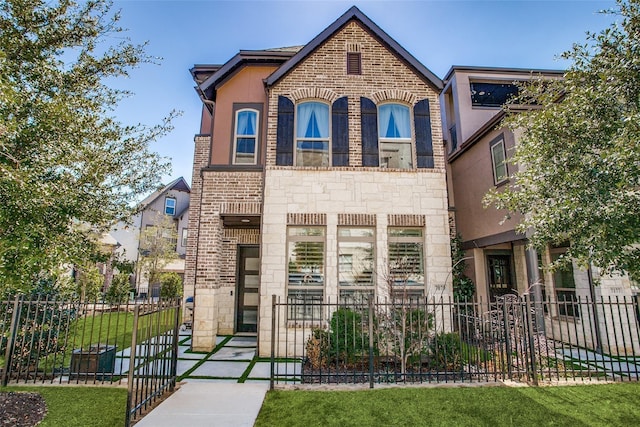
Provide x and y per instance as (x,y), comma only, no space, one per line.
(305,272)
(406,259)
(498,157)
(170,206)
(312,134)
(246,137)
(565,289)
(185,235)
(395,142)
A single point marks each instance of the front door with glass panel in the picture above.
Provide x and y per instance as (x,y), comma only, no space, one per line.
(499,269)
(247,289)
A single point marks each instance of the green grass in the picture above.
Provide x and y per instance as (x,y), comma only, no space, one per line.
(80,406)
(117,328)
(588,405)
(112,328)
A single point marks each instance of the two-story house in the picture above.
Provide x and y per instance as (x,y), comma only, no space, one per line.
(170,200)
(319,175)
(478,151)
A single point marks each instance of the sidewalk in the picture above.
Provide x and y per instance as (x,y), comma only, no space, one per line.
(200,403)
(224,387)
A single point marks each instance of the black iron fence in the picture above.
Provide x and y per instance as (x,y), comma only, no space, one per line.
(419,340)
(153,355)
(67,341)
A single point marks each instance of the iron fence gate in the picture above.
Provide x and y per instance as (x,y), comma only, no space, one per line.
(153,355)
(418,340)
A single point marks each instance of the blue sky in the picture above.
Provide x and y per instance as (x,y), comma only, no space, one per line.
(514,33)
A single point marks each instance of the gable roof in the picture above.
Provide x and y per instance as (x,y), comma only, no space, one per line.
(207,88)
(178,184)
(355,14)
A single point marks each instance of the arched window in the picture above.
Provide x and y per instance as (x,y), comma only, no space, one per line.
(312,134)
(246,137)
(394,133)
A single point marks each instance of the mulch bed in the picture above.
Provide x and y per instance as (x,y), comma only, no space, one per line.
(21,409)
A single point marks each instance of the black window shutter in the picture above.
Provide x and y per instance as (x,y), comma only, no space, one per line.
(284,139)
(340,132)
(369,128)
(424,143)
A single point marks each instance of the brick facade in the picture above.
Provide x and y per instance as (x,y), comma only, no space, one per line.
(352,195)
(223,192)
(384,78)
(320,196)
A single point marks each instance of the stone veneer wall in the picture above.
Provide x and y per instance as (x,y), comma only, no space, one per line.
(385,194)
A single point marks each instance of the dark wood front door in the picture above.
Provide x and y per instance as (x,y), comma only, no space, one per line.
(248,283)
(500,280)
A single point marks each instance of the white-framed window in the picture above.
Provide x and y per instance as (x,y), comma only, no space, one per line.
(406,261)
(394,133)
(184,236)
(170,206)
(312,145)
(499,161)
(356,262)
(305,271)
(245,145)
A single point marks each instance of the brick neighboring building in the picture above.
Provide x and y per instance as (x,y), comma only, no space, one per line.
(316,170)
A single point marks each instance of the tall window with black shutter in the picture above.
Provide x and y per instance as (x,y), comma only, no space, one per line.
(386,135)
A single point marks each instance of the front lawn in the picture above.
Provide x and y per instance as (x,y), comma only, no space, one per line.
(584,405)
(80,406)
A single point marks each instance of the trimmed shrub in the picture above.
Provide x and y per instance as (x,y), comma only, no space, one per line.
(446,352)
(347,342)
(170,286)
(118,292)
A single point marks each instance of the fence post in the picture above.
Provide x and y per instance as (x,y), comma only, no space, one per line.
(132,362)
(507,341)
(177,303)
(13,330)
(532,345)
(273,340)
(370,341)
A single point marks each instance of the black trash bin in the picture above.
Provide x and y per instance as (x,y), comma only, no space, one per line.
(97,359)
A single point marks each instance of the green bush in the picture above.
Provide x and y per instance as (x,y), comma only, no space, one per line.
(170,286)
(118,292)
(347,341)
(89,282)
(446,352)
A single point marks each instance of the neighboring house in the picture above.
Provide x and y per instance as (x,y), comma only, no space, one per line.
(478,152)
(172,200)
(319,175)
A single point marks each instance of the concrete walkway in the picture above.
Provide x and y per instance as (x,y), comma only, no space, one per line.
(208,403)
(224,387)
